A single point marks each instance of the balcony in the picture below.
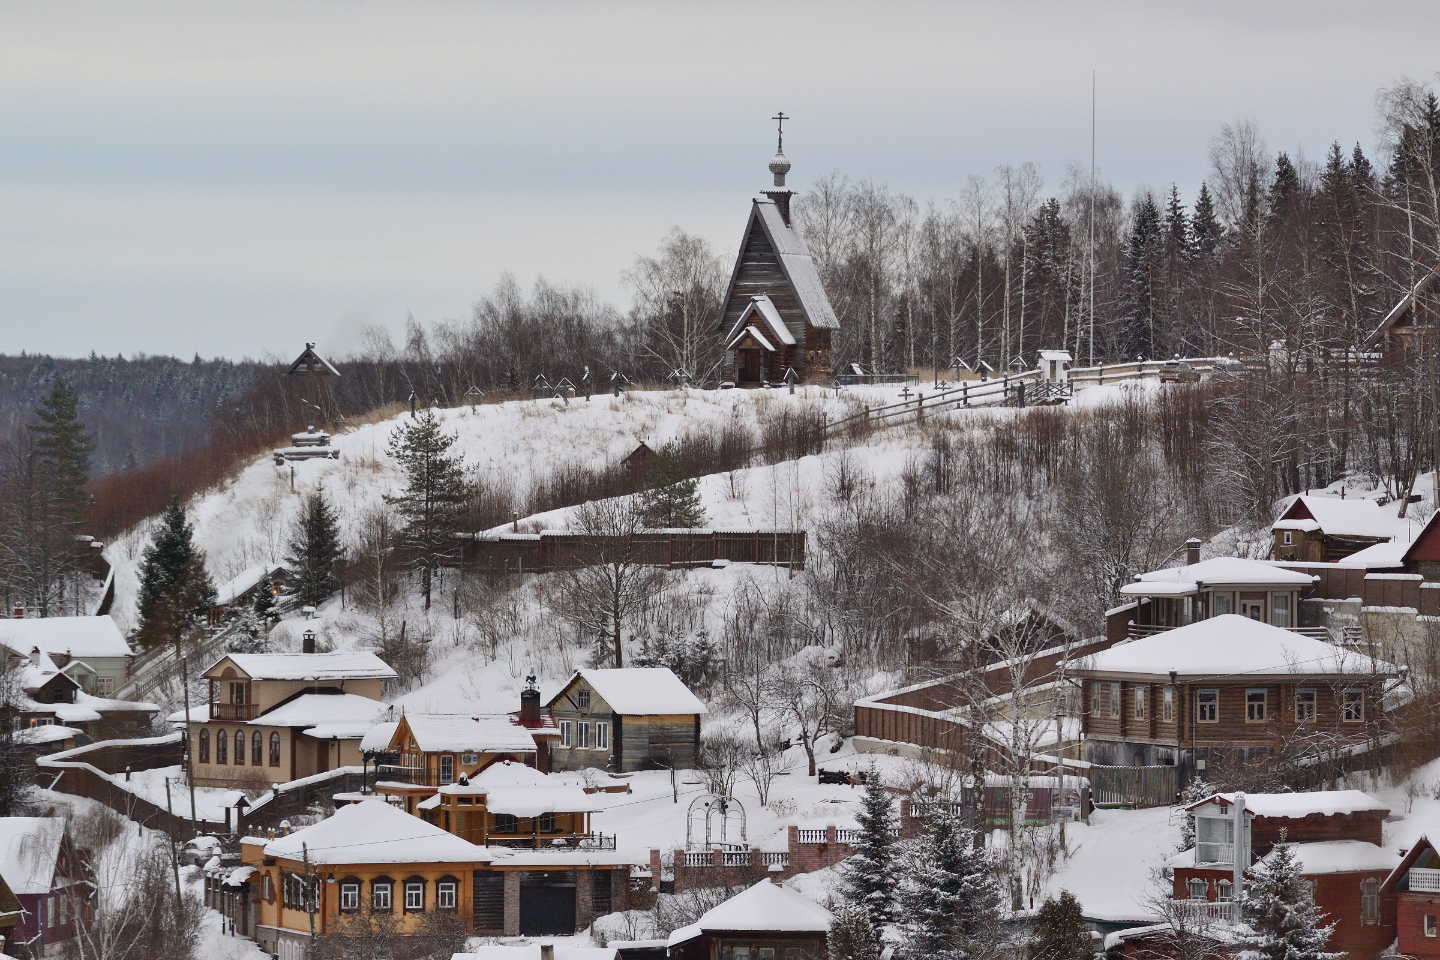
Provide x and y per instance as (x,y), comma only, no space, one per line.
(233,711)
(1424,880)
(1138,630)
(410,776)
(560,844)
(1207,911)
(1207,853)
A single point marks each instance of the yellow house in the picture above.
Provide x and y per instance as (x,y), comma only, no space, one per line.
(511,804)
(274,718)
(435,749)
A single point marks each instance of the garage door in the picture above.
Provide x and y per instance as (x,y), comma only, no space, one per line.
(547,903)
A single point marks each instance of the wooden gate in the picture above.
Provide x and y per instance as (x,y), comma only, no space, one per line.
(1133,786)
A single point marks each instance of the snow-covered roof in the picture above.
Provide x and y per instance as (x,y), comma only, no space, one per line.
(750,331)
(310,709)
(1341,856)
(798,266)
(373,831)
(761,308)
(195,713)
(763,907)
(1230,645)
(29,852)
(1062,355)
(1353,517)
(379,735)
(79,637)
(238,876)
(640,691)
(531,951)
(1296,806)
(1378,556)
(529,801)
(310,666)
(226,593)
(46,733)
(457,732)
(1185,580)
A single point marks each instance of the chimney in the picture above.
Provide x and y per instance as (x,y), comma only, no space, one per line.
(34,656)
(19,610)
(1192,551)
(530,704)
(547,951)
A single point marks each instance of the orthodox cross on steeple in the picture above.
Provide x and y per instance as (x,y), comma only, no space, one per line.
(780,141)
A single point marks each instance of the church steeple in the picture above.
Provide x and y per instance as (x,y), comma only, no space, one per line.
(780,166)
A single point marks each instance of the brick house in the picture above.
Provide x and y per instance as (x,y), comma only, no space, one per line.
(1225,686)
(1336,838)
(1412,892)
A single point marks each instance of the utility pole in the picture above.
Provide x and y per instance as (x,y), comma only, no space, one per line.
(312,890)
(1092,218)
(175,858)
(189,765)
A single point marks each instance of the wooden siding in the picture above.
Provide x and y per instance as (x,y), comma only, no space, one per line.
(760,272)
(556,551)
(637,742)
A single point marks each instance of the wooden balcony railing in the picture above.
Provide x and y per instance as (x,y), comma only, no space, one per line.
(233,711)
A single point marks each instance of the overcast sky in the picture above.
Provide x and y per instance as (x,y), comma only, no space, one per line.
(233,179)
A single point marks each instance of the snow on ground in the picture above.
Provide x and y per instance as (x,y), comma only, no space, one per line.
(150,785)
(1112,861)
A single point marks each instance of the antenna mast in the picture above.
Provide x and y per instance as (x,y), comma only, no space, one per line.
(1092,218)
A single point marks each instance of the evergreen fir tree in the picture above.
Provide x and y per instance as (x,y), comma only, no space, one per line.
(1204,224)
(852,936)
(64,448)
(1362,174)
(1142,258)
(264,597)
(1281,919)
(948,903)
(175,590)
(315,550)
(435,498)
(868,874)
(671,499)
(1285,187)
(1177,227)
(251,634)
(1060,932)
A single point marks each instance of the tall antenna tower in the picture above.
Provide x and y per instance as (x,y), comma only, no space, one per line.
(1092,218)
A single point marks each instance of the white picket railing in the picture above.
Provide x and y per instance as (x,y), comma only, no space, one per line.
(1424,880)
(1223,911)
(811,836)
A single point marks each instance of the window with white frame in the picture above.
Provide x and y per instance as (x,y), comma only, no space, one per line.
(1255,701)
(104,686)
(1221,604)
(582,698)
(1094,699)
(1289,538)
(1352,705)
(584,730)
(1281,610)
(1195,889)
(1304,704)
(1429,924)
(1167,704)
(1214,840)
(445,895)
(602,736)
(1114,700)
(350,895)
(380,895)
(1224,890)
(1207,706)
(414,896)
(447,769)
(565,733)
(1142,701)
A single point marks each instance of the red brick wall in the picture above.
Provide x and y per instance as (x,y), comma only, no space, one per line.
(1265,831)
(1338,894)
(1410,913)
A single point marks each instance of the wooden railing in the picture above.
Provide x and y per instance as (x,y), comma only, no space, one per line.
(232,711)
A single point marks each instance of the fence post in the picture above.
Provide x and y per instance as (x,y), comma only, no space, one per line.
(1101,382)
(920,407)
(965,393)
(1020,393)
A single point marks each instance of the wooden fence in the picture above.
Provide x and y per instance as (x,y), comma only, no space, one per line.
(549,551)
(1155,786)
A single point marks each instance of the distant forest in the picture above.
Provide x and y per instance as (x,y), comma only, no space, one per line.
(1274,249)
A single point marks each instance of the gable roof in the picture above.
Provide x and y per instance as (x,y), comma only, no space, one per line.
(356,665)
(1295,806)
(761,310)
(30,852)
(638,691)
(1379,556)
(795,263)
(763,907)
(10,909)
(227,593)
(1404,305)
(1232,645)
(531,951)
(459,732)
(1186,580)
(1352,517)
(80,637)
(373,831)
(310,362)
(1426,545)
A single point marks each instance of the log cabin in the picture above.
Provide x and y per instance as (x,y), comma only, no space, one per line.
(276,717)
(1228,686)
(510,804)
(621,720)
(776,316)
(1413,315)
(1329,529)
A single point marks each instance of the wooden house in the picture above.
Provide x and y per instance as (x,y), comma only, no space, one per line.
(239,592)
(47,693)
(1224,686)
(433,750)
(764,922)
(11,913)
(1328,529)
(1414,314)
(1334,835)
(776,316)
(276,717)
(510,804)
(94,644)
(1199,589)
(39,866)
(633,718)
(372,866)
(1412,892)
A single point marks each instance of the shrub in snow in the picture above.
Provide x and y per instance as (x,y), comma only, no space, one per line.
(251,635)
(852,937)
(947,902)
(1060,932)
(1281,919)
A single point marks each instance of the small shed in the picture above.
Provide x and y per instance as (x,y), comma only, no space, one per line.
(1055,366)
(638,461)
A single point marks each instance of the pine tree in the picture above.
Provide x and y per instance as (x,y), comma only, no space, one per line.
(264,597)
(948,902)
(175,590)
(1285,186)
(868,874)
(435,498)
(1204,224)
(1142,260)
(315,550)
(64,447)
(1281,919)
(1177,227)
(1060,932)
(671,499)
(251,634)
(1361,172)
(852,936)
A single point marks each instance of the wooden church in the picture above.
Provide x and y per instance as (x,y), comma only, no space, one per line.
(776,316)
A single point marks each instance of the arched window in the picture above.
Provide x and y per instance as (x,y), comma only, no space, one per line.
(204,746)
(257,749)
(222,753)
(275,749)
(239,748)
